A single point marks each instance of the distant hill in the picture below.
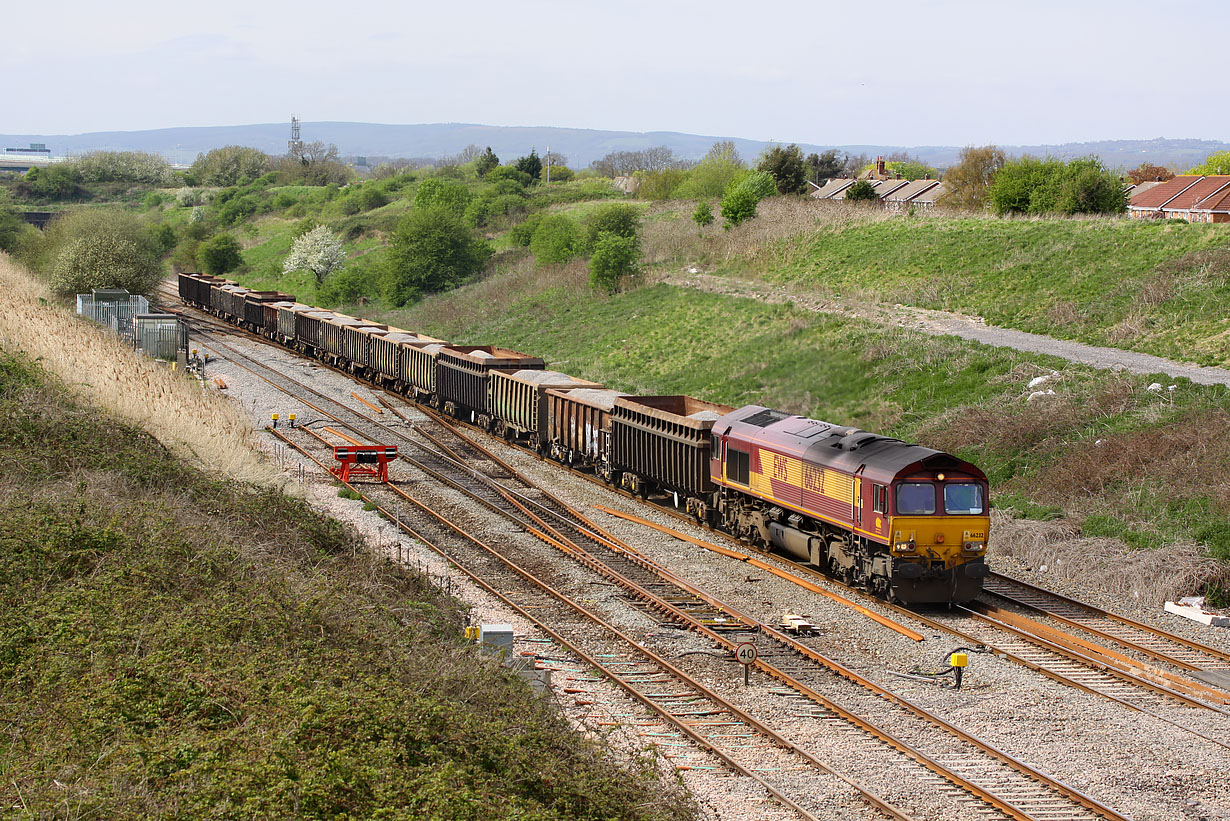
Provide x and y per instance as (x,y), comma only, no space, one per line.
(581,146)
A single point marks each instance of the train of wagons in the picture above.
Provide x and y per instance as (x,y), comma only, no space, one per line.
(903,521)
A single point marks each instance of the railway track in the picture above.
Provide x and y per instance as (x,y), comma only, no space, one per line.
(1005,786)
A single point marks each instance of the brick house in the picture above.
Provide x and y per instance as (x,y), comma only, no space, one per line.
(1189,197)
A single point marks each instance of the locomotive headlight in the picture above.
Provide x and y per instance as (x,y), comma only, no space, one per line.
(974,547)
(905,547)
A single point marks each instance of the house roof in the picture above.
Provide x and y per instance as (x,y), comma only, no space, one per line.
(1202,189)
(832,187)
(911,190)
(931,194)
(1219,201)
(1180,193)
(886,187)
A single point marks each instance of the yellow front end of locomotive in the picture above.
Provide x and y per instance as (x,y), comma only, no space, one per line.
(952,540)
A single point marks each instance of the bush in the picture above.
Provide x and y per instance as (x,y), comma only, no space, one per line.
(614,258)
(350,286)
(56,182)
(442,194)
(1033,186)
(786,166)
(14,231)
(186,197)
(523,232)
(152,200)
(508,172)
(431,250)
(220,255)
(98,249)
(713,175)
(371,197)
(163,238)
(743,194)
(703,215)
(556,239)
(659,185)
(123,166)
(230,165)
(613,218)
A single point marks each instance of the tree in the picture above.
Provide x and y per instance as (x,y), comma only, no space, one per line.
(862,191)
(968,183)
(823,167)
(449,195)
(1147,172)
(627,163)
(508,172)
(1051,186)
(123,166)
(531,165)
(614,259)
(314,163)
(230,165)
(487,162)
(743,195)
(1218,163)
(91,249)
(712,175)
(55,182)
(703,215)
(556,239)
(787,167)
(614,218)
(431,250)
(318,251)
(220,255)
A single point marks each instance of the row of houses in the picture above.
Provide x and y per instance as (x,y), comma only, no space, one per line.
(896,195)
(1190,197)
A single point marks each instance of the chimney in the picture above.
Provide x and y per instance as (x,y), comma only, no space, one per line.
(880,172)
(927,176)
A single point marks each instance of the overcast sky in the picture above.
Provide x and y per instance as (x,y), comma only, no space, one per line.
(902,72)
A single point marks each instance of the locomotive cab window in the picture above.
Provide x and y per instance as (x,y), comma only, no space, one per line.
(879,498)
(963,497)
(717,448)
(915,499)
(738,465)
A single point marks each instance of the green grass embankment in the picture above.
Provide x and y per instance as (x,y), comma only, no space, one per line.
(1143,467)
(1156,287)
(172,645)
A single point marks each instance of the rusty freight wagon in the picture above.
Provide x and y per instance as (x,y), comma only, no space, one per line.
(286,320)
(517,402)
(420,371)
(230,302)
(662,445)
(218,290)
(357,345)
(253,307)
(389,359)
(307,329)
(578,428)
(463,372)
(269,316)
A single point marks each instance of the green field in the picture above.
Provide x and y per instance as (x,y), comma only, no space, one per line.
(1156,287)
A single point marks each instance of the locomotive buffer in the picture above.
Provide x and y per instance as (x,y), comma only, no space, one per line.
(363,460)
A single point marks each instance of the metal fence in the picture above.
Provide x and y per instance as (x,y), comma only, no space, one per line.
(161,336)
(115,314)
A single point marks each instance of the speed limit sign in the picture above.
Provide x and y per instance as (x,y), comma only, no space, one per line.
(745,654)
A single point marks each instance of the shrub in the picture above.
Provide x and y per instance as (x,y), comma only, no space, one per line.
(14,231)
(163,238)
(431,250)
(713,175)
(786,166)
(371,197)
(123,166)
(1033,186)
(743,194)
(508,172)
(659,185)
(230,165)
(220,255)
(613,218)
(186,197)
(152,200)
(99,249)
(703,215)
(556,239)
(523,232)
(614,258)
(353,285)
(442,194)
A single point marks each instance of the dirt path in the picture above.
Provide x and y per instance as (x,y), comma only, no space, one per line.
(943,323)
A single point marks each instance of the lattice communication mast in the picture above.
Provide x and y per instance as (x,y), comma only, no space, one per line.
(294,146)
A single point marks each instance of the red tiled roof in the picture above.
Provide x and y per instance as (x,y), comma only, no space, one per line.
(1187,200)
(1157,196)
(1219,202)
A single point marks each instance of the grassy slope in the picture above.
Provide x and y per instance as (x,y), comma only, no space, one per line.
(1157,287)
(172,645)
(1160,472)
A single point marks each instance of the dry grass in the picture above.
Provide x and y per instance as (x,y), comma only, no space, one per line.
(1103,564)
(95,365)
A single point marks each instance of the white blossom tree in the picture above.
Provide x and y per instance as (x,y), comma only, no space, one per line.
(318,251)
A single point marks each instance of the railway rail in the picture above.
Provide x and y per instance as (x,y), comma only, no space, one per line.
(952,754)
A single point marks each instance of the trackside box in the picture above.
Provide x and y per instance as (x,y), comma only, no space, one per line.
(463,372)
(666,440)
(518,398)
(579,425)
